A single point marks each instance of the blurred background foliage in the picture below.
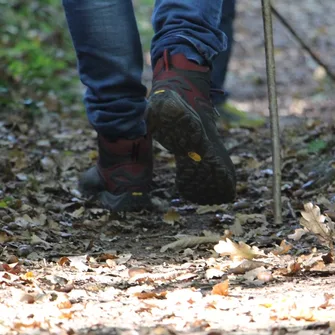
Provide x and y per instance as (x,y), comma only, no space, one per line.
(37,60)
(38,64)
(36,54)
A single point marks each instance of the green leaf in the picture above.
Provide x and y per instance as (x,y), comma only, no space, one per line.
(3,204)
(6,202)
(317,145)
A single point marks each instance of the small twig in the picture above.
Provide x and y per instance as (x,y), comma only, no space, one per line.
(303,44)
(272,96)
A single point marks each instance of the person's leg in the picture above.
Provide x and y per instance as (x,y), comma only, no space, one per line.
(229,114)
(108,48)
(189,27)
(180,112)
(220,63)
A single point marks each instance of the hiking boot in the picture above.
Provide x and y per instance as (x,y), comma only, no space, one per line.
(123,174)
(182,118)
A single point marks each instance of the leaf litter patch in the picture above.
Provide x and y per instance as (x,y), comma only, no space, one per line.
(67,265)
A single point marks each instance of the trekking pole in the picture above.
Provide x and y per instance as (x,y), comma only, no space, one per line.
(272,96)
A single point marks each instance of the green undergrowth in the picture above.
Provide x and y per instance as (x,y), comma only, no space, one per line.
(36,55)
(37,60)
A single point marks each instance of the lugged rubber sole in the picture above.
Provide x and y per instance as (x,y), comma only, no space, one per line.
(203,175)
(91,184)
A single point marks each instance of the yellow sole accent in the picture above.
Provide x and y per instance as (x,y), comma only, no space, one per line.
(137,194)
(193,155)
(160,91)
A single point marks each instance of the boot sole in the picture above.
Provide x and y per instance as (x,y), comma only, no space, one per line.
(91,184)
(202,176)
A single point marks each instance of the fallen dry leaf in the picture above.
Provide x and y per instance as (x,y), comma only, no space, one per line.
(14,268)
(7,278)
(210,209)
(328,258)
(111,263)
(265,276)
(78,213)
(65,304)
(12,259)
(305,314)
(315,223)
(332,326)
(4,237)
(317,266)
(251,218)
(135,271)
(150,295)
(236,228)
(28,298)
(327,297)
(245,266)
(171,217)
(37,240)
(307,261)
(213,273)
(67,316)
(28,276)
(162,331)
(66,288)
(104,257)
(282,249)
(79,262)
(186,295)
(75,261)
(293,267)
(64,261)
(122,259)
(298,233)
(32,324)
(236,251)
(186,276)
(253,274)
(221,288)
(260,274)
(190,241)
(330,214)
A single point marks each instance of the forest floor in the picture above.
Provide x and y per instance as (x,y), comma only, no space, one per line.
(67,266)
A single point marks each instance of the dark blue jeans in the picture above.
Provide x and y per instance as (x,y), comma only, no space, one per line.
(109,53)
(220,63)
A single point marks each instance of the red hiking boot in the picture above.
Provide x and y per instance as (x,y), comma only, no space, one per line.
(182,118)
(122,177)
